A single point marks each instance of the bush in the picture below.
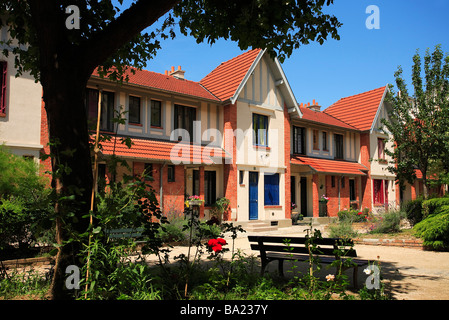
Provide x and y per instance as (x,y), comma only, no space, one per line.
(413,210)
(431,206)
(342,229)
(25,206)
(435,229)
(352,216)
(389,222)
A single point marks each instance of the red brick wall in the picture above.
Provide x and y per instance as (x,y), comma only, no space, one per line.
(332,193)
(315,196)
(44,139)
(365,180)
(172,192)
(230,170)
(288,199)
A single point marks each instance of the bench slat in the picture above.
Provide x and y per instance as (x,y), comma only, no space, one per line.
(299,240)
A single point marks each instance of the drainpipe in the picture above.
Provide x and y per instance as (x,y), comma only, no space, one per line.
(339,186)
(161,189)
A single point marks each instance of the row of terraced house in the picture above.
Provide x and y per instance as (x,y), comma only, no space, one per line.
(238,133)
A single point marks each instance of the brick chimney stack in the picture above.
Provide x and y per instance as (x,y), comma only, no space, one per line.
(178,74)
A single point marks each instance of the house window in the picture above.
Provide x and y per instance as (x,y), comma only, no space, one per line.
(380,148)
(378,192)
(171,173)
(134,109)
(338,146)
(184,118)
(352,190)
(343,182)
(3,82)
(107,109)
(148,171)
(260,130)
(325,147)
(299,146)
(210,178)
(315,140)
(271,189)
(333,181)
(241,176)
(156,113)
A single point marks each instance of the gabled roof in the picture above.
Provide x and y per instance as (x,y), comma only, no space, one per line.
(228,79)
(330,166)
(323,118)
(359,110)
(166,83)
(162,150)
(225,79)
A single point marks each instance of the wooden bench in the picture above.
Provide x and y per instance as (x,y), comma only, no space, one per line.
(280,248)
(125,233)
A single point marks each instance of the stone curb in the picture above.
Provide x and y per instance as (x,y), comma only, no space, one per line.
(406,243)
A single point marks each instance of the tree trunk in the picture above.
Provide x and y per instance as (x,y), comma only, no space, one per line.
(72,170)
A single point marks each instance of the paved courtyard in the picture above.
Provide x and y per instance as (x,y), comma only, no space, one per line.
(410,274)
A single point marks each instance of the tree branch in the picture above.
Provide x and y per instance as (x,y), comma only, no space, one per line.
(132,21)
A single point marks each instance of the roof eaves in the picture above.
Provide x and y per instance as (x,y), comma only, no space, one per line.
(289,89)
(378,109)
(246,77)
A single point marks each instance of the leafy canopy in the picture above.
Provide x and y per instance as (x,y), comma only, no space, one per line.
(418,122)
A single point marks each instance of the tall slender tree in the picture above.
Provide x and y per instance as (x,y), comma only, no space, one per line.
(63,59)
(418,123)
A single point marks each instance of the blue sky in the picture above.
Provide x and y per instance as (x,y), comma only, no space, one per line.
(362,60)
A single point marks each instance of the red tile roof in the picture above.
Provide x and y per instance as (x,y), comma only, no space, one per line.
(224,80)
(359,110)
(323,118)
(329,166)
(175,152)
(166,83)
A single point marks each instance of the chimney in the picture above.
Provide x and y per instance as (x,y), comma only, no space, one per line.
(178,74)
(314,106)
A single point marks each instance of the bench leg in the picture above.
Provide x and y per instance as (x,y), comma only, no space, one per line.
(355,275)
(281,267)
(263,266)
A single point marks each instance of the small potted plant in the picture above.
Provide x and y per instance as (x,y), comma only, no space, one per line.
(194,201)
(323,206)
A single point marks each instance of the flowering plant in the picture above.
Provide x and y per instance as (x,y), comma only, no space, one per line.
(294,205)
(194,199)
(216,244)
(324,198)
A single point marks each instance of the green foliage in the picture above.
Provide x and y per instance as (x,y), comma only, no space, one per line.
(389,222)
(418,122)
(434,229)
(434,205)
(352,215)
(342,229)
(413,210)
(28,283)
(25,203)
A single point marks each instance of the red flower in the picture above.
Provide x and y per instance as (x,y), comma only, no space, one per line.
(216,244)
(212,242)
(360,213)
(221,241)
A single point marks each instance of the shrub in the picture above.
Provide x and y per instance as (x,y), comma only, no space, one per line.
(431,206)
(435,229)
(413,210)
(342,229)
(389,222)
(352,215)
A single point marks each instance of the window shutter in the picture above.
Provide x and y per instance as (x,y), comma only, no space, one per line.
(3,70)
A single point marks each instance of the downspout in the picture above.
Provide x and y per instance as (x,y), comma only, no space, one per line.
(339,186)
(161,189)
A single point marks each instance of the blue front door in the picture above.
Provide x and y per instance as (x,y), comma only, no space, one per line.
(253,195)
